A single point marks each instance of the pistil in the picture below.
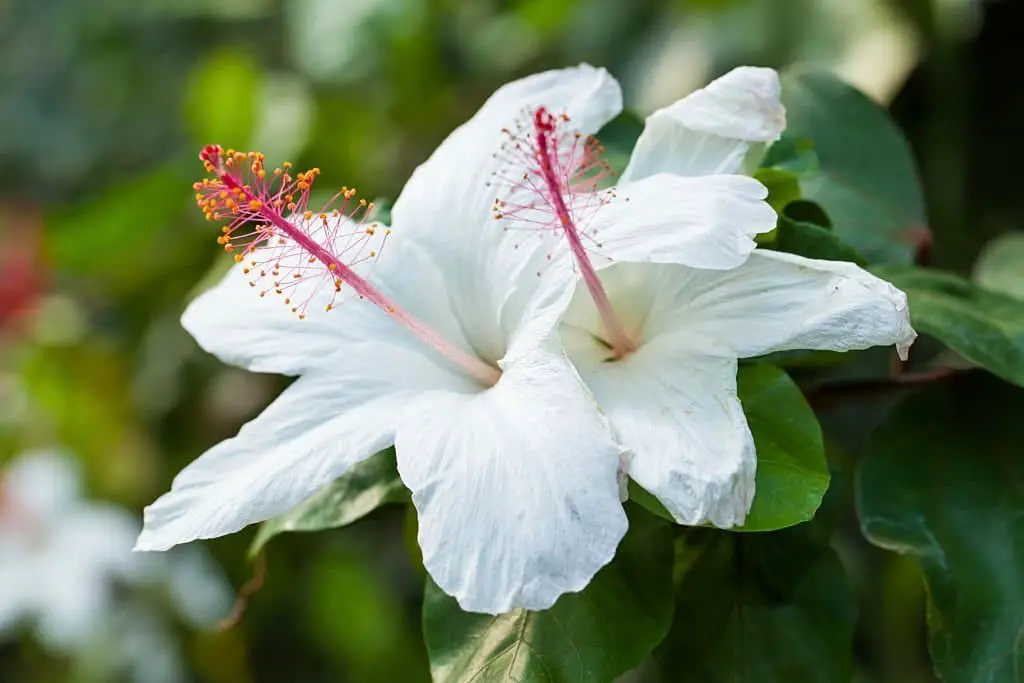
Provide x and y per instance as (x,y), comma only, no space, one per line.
(546,153)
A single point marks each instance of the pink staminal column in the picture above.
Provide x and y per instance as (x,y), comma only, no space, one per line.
(267,211)
(556,189)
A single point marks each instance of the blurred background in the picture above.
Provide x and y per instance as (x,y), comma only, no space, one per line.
(103,106)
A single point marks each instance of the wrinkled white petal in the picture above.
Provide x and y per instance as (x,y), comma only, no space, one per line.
(778,302)
(313,433)
(712,130)
(447,203)
(515,487)
(705,222)
(676,410)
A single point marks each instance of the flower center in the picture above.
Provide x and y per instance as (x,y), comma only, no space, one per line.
(555,187)
(294,252)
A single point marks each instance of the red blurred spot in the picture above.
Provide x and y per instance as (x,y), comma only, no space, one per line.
(22,275)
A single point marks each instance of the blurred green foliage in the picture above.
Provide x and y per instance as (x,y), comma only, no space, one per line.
(104,105)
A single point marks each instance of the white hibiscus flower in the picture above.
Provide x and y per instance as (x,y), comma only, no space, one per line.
(657,343)
(512,469)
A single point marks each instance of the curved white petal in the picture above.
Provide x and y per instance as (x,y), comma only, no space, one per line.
(320,426)
(705,222)
(447,204)
(676,410)
(516,487)
(712,130)
(233,322)
(778,302)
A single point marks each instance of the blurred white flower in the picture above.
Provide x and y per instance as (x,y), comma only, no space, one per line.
(66,566)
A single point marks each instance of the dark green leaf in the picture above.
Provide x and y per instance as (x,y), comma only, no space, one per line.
(759,608)
(943,481)
(984,327)
(806,211)
(367,486)
(792,474)
(866,178)
(791,154)
(813,241)
(592,636)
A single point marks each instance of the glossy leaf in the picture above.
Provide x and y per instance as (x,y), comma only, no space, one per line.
(759,608)
(812,240)
(984,327)
(943,482)
(865,178)
(593,636)
(792,474)
(370,484)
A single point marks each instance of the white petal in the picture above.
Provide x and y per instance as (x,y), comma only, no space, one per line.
(677,411)
(233,322)
(711,130)
(319,427)
(515,487)
(777,302)
(446,205)
(705,222)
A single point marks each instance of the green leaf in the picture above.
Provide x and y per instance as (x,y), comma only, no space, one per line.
(593,636)
(984,327)
(783,186)
(792,155)
(943,481)
(363,489)
(792,473)
(759,608)
(866,178)
(813,241)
